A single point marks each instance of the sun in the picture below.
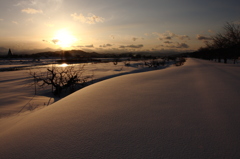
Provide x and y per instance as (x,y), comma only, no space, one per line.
(64,38)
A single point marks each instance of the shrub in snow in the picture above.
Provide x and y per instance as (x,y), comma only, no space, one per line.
(61,78)
(115,61)
(126,62)
(180,61)
(155,63)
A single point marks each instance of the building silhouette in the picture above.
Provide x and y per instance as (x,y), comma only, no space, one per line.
(10,54)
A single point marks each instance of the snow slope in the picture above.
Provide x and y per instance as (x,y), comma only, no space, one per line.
(190,111)
(17,89)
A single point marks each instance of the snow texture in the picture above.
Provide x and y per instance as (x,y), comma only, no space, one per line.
(190,111)
(17,89)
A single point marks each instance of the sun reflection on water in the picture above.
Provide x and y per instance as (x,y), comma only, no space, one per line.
(64,65)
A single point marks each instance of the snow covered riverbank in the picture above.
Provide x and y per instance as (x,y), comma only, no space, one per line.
(190,111)
(17,93)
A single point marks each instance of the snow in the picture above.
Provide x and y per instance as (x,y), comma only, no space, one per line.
(17,89)
(190,111)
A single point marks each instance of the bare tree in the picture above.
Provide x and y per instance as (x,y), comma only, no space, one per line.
(225,45)
(61,78)
(154,63)
(232,34)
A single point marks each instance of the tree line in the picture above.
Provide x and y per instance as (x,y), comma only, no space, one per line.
(222,46)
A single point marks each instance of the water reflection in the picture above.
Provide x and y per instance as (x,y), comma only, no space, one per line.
(63,65)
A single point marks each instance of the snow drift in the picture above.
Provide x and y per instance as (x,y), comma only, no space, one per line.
(190,111)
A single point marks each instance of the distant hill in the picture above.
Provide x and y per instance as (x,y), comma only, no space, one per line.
(74,53)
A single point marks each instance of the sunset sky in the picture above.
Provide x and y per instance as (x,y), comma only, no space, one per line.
(112,25)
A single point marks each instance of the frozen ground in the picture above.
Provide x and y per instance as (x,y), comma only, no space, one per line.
(190,111)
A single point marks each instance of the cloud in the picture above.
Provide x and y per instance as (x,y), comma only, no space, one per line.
(14,22)
(164,36)
(90,19)
(131,46)
(1,19)
(106,45)
(179,46)
(79,17)
(173,45)
(167,42)
(134,39)
(158,46)
(112,36)
(182,37)
(31,11)
(210,31)
(89,46)
(202,37)
(182,45)
(169,36)
(55,41)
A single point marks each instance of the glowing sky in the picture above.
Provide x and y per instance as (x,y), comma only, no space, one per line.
(113,25)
